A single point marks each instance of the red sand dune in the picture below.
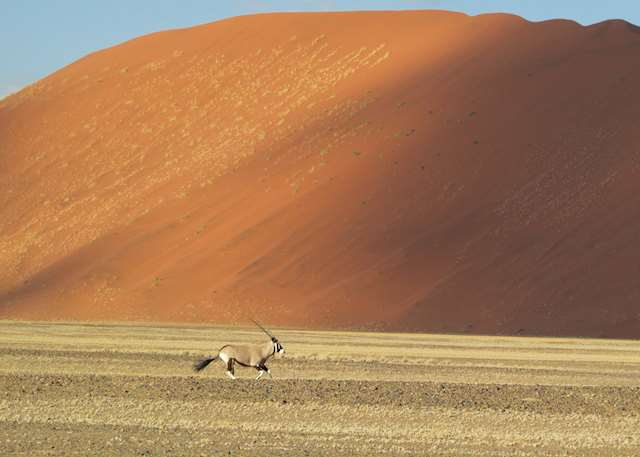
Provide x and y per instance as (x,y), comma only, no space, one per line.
(394,170)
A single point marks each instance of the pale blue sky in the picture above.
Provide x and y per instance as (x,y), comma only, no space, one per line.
(39,36)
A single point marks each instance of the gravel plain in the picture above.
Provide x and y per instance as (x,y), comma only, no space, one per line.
(72,389)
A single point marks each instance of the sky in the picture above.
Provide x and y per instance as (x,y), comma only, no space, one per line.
(38,37)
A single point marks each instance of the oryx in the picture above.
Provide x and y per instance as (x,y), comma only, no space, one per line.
(247,355)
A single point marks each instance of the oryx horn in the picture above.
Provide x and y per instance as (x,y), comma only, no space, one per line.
(263,329)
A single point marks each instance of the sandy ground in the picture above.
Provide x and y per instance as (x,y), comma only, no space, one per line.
(390,170)
(104,389)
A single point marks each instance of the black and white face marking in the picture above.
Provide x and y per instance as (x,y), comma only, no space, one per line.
(277,346)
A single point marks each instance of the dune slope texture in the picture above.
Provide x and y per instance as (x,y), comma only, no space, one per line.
(399,171)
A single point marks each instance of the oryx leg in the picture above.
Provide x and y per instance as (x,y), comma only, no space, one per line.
(231,368)
(263,368)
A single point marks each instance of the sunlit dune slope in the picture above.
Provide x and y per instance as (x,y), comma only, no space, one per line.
(403,171)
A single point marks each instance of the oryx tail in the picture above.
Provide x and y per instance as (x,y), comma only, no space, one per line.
(202,364)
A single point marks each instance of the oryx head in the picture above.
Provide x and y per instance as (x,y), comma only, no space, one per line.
(277,347)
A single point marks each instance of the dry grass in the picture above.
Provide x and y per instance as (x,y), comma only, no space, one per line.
(106,389)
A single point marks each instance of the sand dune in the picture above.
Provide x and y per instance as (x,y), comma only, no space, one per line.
(393,170)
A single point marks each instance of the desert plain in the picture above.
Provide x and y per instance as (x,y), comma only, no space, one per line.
(128,389)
